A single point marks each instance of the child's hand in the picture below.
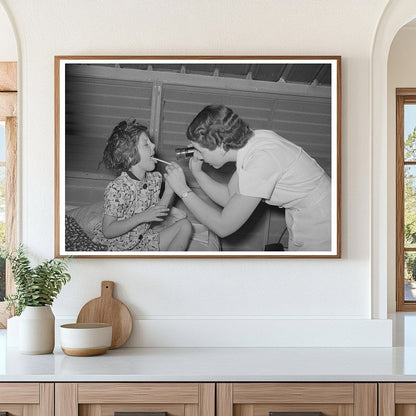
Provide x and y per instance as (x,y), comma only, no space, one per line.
(156,213)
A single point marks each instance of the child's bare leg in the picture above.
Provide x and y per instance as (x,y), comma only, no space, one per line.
(176,237)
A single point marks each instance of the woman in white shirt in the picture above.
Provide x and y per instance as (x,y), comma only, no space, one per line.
(268,168)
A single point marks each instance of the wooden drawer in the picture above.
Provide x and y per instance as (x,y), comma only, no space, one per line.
(24,399)
(331,399)
(104,399)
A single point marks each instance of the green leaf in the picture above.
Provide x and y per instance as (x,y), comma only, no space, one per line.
(35,286)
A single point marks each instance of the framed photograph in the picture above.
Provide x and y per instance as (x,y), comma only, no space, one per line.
(198,156)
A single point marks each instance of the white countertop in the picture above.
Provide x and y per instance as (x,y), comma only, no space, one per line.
(215,364)
(221,364)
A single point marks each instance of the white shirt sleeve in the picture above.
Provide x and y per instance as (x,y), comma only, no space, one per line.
(259,175)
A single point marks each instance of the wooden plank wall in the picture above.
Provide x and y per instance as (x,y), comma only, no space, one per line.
(93,108)
(305,121)
(95,105)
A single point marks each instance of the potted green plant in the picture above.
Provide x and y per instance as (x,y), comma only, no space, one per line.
(36,289)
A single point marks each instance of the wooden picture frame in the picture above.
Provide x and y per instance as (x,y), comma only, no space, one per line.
(297,97)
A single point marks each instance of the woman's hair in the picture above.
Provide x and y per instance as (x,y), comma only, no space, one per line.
(121,152)
(218,125)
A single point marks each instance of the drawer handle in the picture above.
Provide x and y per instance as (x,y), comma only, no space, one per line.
(295,413)
(139,414)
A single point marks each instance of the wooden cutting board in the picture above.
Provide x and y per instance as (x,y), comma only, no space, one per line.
(108,310)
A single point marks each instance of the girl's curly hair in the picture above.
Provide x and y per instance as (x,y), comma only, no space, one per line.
(121,151)
(218,125)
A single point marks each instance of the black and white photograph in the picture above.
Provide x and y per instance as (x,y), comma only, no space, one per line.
(198,156)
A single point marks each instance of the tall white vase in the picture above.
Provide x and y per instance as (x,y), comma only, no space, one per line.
(37,330)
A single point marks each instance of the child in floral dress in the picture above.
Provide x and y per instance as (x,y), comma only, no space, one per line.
(132,207)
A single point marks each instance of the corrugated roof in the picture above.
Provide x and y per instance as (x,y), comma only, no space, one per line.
(304,73)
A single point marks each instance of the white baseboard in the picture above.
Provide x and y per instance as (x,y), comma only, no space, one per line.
(261,333)
(257,332)
(189,332)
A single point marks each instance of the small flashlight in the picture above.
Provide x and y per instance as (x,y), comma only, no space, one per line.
(184,152)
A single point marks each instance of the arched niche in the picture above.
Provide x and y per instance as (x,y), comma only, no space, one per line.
(396,15)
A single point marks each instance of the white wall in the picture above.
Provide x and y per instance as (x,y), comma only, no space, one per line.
(8,45)
(212,301)
(401,74)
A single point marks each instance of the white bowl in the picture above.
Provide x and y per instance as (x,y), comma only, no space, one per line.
(83,340)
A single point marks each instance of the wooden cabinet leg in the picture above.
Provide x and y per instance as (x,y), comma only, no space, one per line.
(365,399)
(386,399)
(224,399)
(207,399)
(66,399)
(47,399)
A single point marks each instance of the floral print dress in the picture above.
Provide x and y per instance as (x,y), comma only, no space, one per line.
(124,197)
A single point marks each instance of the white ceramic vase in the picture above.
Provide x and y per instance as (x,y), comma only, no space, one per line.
(37,330)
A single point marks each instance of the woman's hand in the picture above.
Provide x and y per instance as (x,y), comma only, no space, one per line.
(195,163)
(176,178)
(156,213)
